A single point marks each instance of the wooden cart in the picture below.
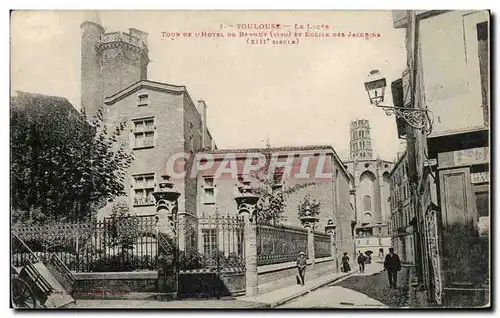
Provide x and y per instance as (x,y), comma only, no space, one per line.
(40,283)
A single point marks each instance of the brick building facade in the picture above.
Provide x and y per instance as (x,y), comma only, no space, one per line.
(161,119)
(449,163)
(402,212)
(164,125)
(330,187)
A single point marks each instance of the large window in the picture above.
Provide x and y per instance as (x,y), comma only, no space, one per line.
(208,190)
(144,133)
(209,241)
(143,189)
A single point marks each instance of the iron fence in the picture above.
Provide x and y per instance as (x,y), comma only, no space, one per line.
(322,245)
(220,245)
(279,244)
(114,244)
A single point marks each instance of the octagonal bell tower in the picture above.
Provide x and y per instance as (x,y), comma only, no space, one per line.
(361,141)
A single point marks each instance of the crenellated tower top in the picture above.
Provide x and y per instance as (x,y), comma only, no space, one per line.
(111,61)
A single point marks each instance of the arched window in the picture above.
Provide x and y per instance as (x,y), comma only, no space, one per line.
(367,218)
(367,203)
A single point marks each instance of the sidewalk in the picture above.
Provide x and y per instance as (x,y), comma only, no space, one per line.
(289,293)
(335,296)
(176,304)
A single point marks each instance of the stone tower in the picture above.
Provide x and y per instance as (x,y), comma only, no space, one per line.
(361,142)
(110,61)
(124,60)
(91,86)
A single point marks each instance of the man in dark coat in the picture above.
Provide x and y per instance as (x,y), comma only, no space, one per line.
(361,262)
(301,266)
(392,265)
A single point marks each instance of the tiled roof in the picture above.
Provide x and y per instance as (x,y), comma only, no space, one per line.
(282,149)
(271,149)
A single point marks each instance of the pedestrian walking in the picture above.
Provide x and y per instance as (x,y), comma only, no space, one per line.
(368,258)
(392,265)
(301,267)
(361,262)
(345,263)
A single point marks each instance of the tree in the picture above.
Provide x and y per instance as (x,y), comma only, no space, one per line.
(63,166)
(308,207)
(272,193)
(124,227)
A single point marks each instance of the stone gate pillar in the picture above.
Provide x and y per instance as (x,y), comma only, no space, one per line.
(246,202)
(167,236)
(309,223)
(330,229)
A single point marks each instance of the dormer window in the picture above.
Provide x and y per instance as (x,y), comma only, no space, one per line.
(142,99)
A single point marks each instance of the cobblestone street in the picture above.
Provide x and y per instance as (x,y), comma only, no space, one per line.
(369,290)
(377,287)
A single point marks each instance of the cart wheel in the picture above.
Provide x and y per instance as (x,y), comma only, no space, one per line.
(22,294)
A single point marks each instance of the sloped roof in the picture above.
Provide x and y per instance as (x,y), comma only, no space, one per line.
(284,149)
(141,84)
(272,149)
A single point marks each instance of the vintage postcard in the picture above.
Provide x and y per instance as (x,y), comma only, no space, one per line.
(250,159)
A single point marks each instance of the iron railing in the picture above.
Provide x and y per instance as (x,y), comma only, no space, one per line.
(113,244)
(279,244)
(322,245)
(220,245)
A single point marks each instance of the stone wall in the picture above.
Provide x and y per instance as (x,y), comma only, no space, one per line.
(144,285)
(119,285)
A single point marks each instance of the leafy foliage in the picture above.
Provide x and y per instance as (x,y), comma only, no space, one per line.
(124,230)
(272,193)
(308,207)
(63,167)
(271,204)
(118,263)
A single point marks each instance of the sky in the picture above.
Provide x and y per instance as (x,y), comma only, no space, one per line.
(303,94)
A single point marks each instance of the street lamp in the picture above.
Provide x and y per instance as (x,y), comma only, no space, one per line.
(415,117)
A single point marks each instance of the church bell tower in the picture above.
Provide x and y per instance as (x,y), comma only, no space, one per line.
(361,141)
